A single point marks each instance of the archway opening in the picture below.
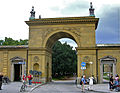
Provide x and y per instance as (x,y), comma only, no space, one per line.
(64,59)
(64,56)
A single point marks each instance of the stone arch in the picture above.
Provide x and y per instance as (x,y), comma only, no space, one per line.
(55,35)
(46,31)
(36,67)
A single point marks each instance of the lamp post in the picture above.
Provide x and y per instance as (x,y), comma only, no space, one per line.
(91,68)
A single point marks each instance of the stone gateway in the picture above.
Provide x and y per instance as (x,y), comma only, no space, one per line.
(43,33)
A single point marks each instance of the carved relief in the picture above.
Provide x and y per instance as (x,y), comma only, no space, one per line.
(36,59)
(86,59)
(72,29)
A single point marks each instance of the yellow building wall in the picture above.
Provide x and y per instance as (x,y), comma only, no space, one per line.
(114,52)
(6,55)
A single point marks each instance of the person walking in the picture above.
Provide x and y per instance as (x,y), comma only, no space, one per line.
(83,83)
(111,83)
(1,76)
(30,79)
(90,83)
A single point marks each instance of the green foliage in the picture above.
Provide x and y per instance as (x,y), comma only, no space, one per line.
(10,41)
(64,60)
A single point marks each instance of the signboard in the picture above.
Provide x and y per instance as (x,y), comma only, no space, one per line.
(21,62)
(83,64)
(83,68)
(34,72)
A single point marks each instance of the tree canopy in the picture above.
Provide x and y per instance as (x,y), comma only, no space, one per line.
(64,60)
(10,41)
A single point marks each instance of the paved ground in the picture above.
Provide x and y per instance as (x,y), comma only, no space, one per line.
(11,87)
(69,87)
(54,87)
(14,87)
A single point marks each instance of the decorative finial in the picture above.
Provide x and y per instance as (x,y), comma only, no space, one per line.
(39,16)
(91,10)
(32,13)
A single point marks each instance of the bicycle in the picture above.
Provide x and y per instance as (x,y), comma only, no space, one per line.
(23,87)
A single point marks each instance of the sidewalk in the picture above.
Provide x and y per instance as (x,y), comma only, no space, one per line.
(100,88)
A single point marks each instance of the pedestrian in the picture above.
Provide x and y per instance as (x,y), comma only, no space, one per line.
(1,76)
(116,81)
(83,83)
(30,79)
(111,83)
(90,83)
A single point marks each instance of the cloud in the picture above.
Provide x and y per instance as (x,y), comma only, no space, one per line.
(76,8)
(69,41)
(108,29)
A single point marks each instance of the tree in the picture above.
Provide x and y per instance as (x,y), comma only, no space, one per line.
(10,41)
(64,60)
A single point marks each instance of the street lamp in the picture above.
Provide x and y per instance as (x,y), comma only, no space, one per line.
(91,68)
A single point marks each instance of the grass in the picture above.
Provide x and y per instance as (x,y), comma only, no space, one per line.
(105,76)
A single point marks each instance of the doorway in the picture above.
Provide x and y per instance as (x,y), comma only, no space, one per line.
(107,72)
(17,72)
(107,68)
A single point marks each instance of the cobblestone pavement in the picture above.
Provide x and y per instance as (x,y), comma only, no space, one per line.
(68,87)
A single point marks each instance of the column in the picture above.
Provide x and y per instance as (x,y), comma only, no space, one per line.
(22,69)
(101,72)
(114,70)
(12,72)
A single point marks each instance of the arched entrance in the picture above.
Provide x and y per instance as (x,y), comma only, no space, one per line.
(43,33)
(109,63)
(49,44)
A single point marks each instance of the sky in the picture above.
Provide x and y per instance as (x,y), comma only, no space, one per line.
(15,12)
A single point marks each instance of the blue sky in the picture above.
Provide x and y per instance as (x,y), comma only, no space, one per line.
(15,12)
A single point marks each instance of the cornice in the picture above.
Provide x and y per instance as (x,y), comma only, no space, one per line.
(62,21)
(99,48)
(14,47)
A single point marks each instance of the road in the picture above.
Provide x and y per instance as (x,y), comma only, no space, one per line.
(60,87)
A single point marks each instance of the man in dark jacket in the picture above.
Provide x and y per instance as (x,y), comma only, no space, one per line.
(1,80)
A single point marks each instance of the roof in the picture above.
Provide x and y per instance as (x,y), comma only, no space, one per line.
(107,45)
(14,47)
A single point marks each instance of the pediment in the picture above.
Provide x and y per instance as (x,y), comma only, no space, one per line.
(108,58)
(17,58)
